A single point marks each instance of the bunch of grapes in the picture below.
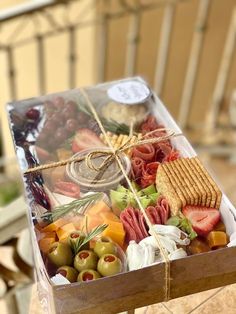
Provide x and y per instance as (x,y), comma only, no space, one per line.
(63,119)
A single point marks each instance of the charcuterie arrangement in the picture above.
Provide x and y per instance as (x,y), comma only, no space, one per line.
(97,182)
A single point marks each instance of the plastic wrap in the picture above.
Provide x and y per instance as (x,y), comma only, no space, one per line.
(85,170)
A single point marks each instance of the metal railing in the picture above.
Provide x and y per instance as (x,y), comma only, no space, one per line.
(106,11)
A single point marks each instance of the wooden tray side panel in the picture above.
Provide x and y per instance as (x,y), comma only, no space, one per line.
(203,272)
(114,294)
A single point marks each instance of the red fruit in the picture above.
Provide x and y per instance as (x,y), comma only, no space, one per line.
(203,219)
(67,188)
(42,154)
(84,139)
(71,125)
(59,103)
(33,114)
(61,134)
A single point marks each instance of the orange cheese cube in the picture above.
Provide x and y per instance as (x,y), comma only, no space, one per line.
(217,239)
(65,231)
(45,243)
(54,226)
(92,222)
(51,235)
(115,231)
(98,208)
(109,216)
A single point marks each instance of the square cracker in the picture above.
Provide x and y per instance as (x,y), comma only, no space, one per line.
(165,187)
(180,182)
(174,183)
(212,183)
(205,182)
(204,188)
(190,181)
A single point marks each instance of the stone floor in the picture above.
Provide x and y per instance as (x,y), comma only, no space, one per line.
(214,301)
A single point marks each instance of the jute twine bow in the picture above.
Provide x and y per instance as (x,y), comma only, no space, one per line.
(114,154)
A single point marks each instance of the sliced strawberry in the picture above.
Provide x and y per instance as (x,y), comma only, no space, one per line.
(42,154)
(84,139)
(203,219)
(67,188)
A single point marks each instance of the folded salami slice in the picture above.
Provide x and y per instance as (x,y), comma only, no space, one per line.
(145,152)
(134,224)
(137,166)
(153,215)
(149,174)
(165,209)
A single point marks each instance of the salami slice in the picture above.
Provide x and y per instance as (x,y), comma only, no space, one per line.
(133,224)
(162,202)
(130,232)
(173,155)
(137,165)
(153,215)
(146,152)
(150,124)
(149,174)
(143,225)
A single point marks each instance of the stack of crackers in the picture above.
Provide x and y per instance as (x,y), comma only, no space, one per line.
(185,181)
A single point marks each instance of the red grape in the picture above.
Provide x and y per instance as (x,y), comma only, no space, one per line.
(82,118)
(71,125)
(61,134)
(71,105)
(58,119)
(59,103)
(49,108)
(68,114)
(33,114)
(49,127)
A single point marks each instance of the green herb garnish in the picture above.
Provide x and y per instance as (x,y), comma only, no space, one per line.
(76,245)
(109,125)
(77,206)
(184,224)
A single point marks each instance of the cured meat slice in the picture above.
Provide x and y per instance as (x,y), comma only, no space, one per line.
(143,225)
(137,164)
(153,215)
(145,152)
(160,213)
(134,224)
(173,155)
(150,124)
(149,174)
(162,150)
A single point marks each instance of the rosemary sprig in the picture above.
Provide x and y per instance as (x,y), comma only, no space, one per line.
(77,206)
(77,245)
(115,127)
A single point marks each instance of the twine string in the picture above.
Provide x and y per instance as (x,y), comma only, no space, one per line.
(115,154)
(151,229)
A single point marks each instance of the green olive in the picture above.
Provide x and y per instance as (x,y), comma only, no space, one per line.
(88,274)
(105,246)
(68,272)
(109,265)
(60,254)
(74,236)
(85,259)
